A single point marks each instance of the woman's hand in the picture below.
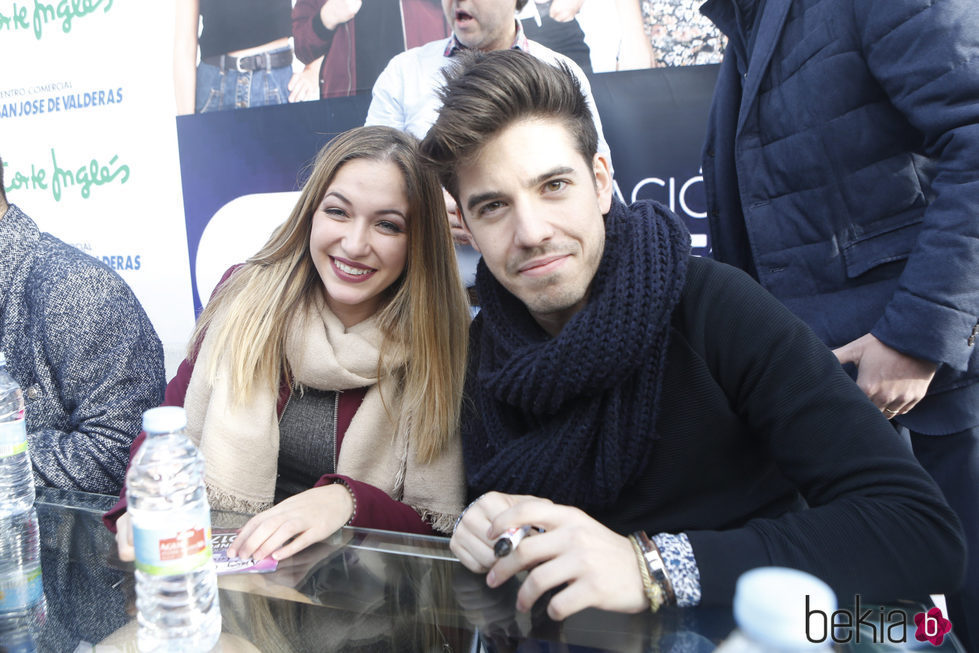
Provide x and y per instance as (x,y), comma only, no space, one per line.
(124,538)
(309,517)
(305,85)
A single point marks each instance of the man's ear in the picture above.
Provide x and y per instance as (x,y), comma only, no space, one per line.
(603,182)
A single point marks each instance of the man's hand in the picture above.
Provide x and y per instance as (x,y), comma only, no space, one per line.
(458,228)
(893,381)
(337,12)
(565,10)
(309,517)
(470,542)
(598,565)
(124,538)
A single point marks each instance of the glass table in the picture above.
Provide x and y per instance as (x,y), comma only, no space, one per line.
(362,590)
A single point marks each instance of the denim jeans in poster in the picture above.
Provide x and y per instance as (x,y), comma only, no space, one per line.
(219,91)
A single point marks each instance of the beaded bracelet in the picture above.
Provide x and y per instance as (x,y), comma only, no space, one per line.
(653,592)
(655,565)
(353,497)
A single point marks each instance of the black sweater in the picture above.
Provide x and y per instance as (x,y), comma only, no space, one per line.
(769,454)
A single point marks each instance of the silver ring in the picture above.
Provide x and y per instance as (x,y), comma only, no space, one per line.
(463,513)
(890,411)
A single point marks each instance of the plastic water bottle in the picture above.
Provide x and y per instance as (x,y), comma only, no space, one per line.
(772,609)
(176,585)
(22,603)
(16,639)
(16,480)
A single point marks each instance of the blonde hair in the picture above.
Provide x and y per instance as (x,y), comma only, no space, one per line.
(426,315)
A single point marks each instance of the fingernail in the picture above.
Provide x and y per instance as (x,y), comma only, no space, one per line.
(232,555)
(275,556)
(491,579)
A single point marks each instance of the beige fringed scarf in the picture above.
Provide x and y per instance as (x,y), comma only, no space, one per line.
(240,440)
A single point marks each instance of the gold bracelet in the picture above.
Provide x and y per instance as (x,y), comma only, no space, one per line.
(656,566)
(653,592)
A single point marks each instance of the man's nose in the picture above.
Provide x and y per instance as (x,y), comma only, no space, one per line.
(531,226)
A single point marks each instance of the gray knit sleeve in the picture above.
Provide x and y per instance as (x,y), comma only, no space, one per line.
(99,365)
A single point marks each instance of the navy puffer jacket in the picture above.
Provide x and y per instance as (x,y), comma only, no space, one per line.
(842,170)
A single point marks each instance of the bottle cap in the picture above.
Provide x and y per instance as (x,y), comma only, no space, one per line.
(165,419)
(771,607)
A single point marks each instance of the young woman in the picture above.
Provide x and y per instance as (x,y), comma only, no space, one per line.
(325,375)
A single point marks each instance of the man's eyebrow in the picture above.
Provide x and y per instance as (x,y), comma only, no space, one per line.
(539,179)
(482,197)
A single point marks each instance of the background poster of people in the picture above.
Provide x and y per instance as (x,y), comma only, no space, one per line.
(93,153)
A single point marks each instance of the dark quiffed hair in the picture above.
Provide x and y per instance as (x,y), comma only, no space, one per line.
(487,92)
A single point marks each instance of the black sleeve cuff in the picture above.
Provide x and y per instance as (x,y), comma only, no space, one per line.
(320,29)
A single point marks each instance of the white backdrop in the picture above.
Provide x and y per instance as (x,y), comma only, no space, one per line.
(88,136)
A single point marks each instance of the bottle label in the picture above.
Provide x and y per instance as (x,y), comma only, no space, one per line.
(20,589)
(170,551)
(13,438)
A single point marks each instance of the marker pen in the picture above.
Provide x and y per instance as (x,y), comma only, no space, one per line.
(508,542)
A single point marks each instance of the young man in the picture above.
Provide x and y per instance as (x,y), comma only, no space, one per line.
(80,346)
(645,391)
(840,169)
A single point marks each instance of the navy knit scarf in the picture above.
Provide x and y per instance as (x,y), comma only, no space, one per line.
(572,418)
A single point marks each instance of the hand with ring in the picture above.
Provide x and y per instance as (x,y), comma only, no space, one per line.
(892,380)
